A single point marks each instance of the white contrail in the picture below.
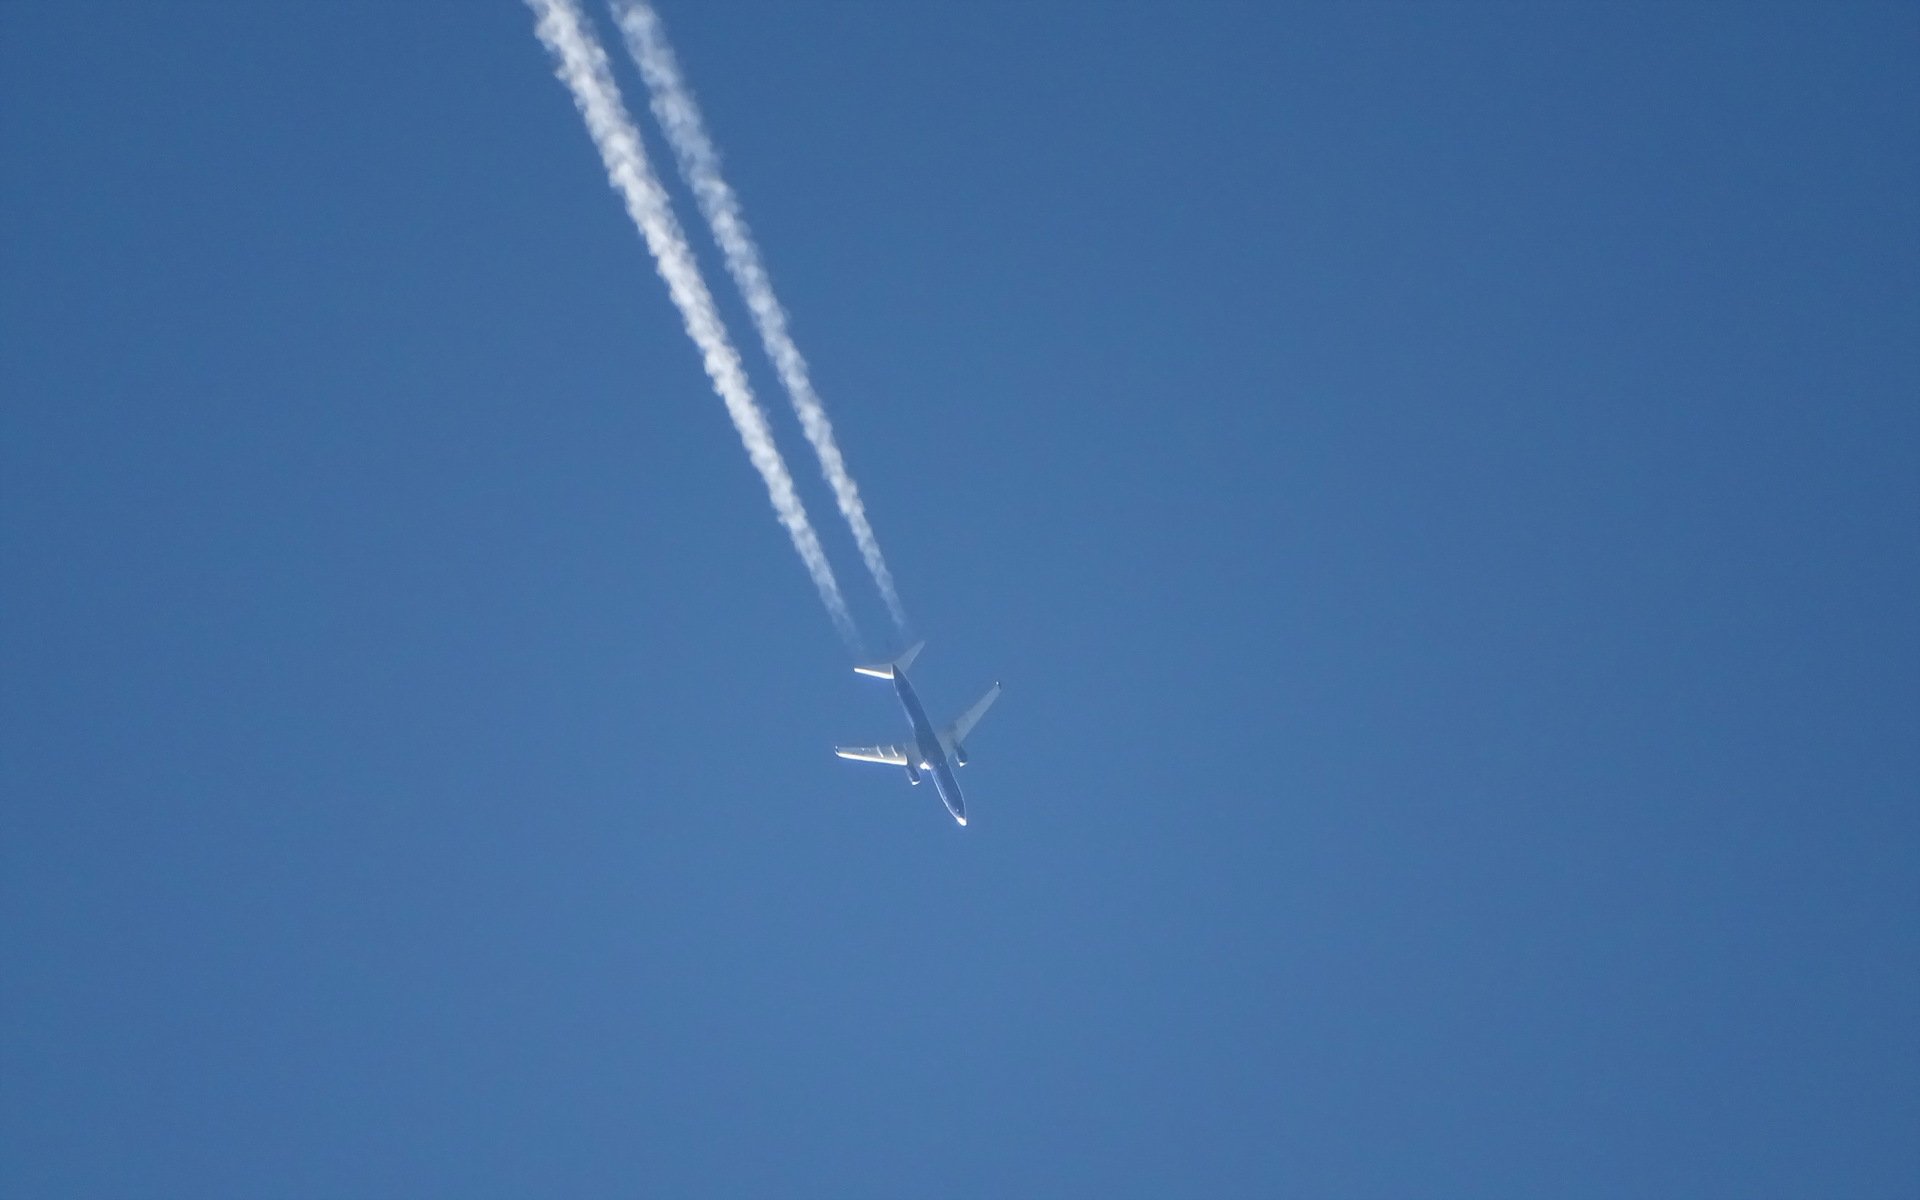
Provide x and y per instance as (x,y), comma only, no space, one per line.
(581,64)
(693,150)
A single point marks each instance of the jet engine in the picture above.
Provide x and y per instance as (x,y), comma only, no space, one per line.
(959,754)
(913,773)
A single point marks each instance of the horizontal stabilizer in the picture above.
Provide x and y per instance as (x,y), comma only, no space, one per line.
(885,670)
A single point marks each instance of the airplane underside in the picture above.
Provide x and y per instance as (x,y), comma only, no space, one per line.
(929,751)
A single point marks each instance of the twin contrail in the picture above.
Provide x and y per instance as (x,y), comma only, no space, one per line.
(699,162)
(581,64)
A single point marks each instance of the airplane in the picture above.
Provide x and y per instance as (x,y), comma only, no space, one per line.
(929,750)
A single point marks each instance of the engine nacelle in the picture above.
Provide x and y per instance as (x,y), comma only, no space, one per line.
(959,754)
(913,774)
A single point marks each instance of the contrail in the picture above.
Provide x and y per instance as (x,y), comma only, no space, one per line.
(581,64)
(699,163)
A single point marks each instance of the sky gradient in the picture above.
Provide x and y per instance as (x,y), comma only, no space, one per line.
(1438,483)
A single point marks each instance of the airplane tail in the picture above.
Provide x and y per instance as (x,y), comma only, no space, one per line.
(885,670)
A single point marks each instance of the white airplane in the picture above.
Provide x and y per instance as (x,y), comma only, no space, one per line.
(929,749)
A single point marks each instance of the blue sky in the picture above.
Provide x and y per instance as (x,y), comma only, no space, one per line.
(1437,481)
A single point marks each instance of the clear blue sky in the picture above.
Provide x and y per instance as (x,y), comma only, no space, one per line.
(1440,483)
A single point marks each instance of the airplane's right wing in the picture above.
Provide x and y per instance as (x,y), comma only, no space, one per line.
(964,723)
(893,756)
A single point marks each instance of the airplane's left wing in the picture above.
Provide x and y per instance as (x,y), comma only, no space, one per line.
(893,756)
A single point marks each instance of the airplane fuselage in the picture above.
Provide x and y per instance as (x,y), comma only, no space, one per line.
(929,755)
